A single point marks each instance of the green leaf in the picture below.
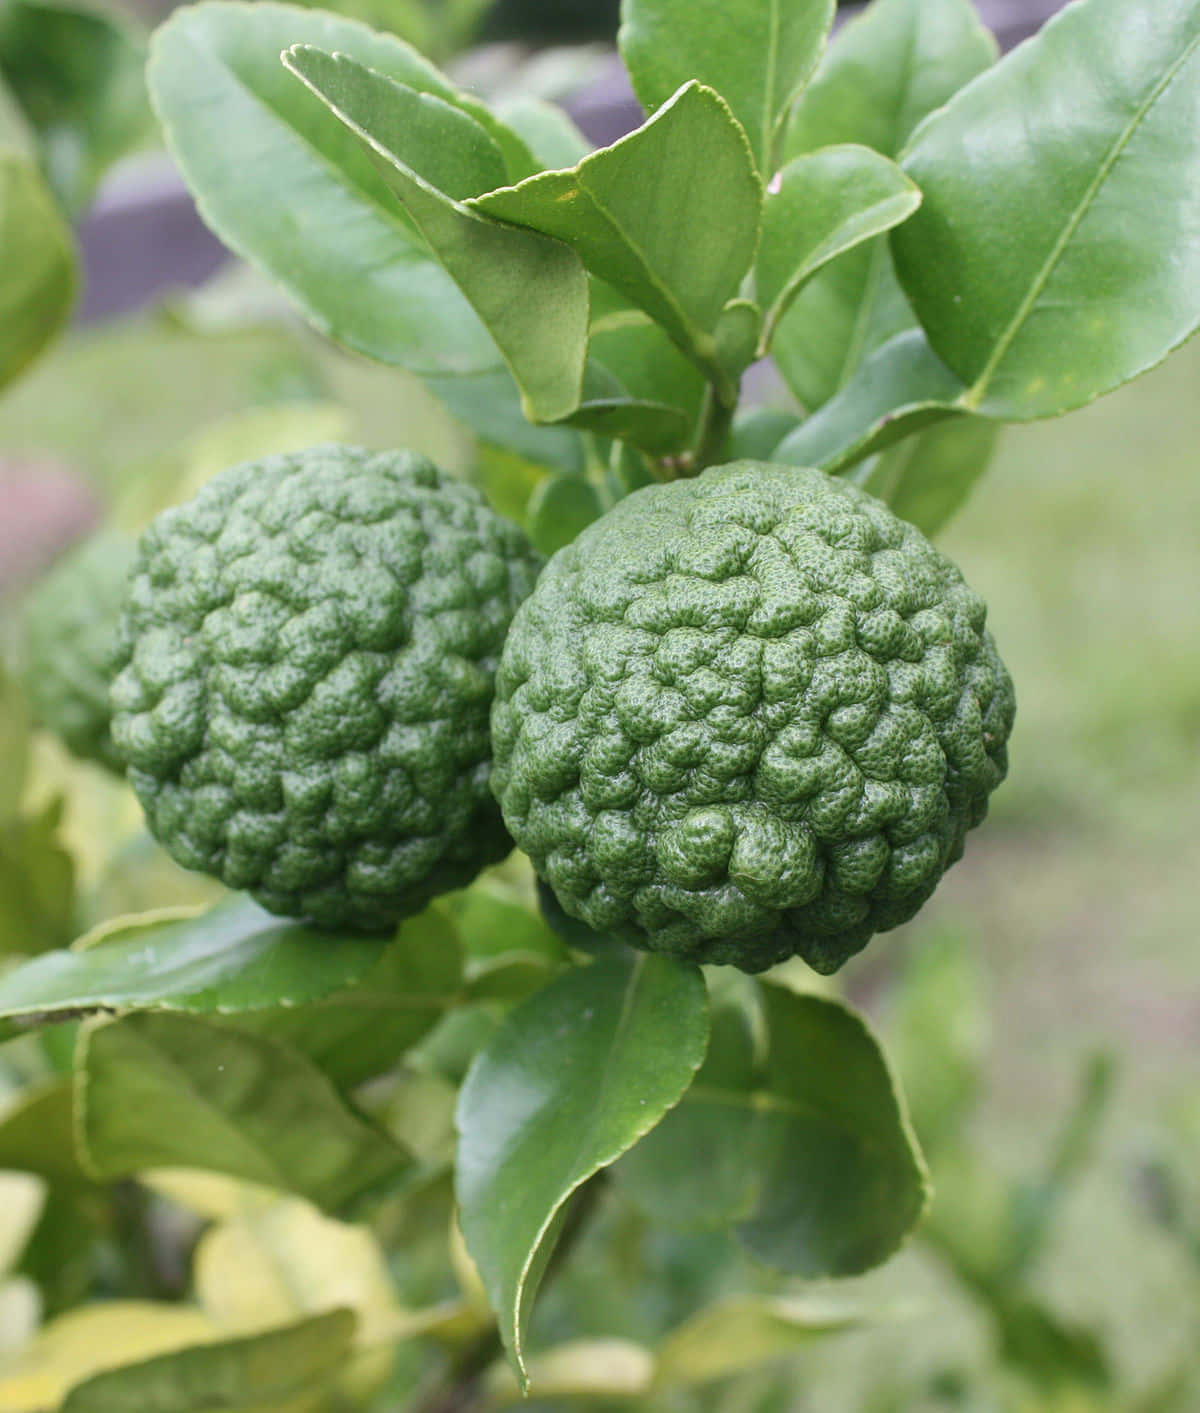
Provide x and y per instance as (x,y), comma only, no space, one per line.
(38,276)
(757,431)
(560,508)
(692,1171)
(232,958)
(548,132)
(530,292)
(928,478)
(361,1030)
(253,1374)
(801,1139)
(744,1333)
(881,75)
(818,207)
(169,1091)
(37,1135)
(573,1078)
(37,886)
(600,1369)
(78,75)
(842,1181)
(757,56)
(901,389)
(293,191)
(652,426)
(489,405)
(644,361)
(1063,258)
(669,215)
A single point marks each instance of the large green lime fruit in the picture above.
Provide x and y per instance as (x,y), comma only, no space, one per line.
(307,660)
(70,634)
(748,716)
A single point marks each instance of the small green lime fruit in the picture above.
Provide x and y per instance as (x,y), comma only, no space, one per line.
(748,716)
(306,667)
(70,636)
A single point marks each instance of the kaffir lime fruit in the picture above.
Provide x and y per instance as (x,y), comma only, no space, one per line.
(70,636)
(307,661)
(748,716)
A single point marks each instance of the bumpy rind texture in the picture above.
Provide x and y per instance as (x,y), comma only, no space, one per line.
(307,661)
(70,635)
(748,716)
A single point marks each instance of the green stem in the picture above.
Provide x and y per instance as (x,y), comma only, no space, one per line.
(716,418)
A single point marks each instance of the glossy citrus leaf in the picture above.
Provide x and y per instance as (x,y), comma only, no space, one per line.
(363,1028)
(901,389)
(883,72)
(574,1076)
(669,215)
(803,1141)
(1063,258)
(289,188)
(757,56)
(818,207)
(560,508)
(38,275)
(530,291)
(279,1371)
(162,1090)
(927,478)
(234,957)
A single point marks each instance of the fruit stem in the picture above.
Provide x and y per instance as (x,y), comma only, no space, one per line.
(716,418)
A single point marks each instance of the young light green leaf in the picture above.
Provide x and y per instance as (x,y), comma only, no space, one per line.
(560,508)
(530,292)
(902,388)
(362,1029)
(669,215)
(251,1374)
(293,191)
(235,957)
(175,1091)
(572,1079)
(819,206)
(38,277)
(803,1141)
(928,478)
(881,75)
(758,57)
(738,1335)
(1063,258)
(605,1370)
(78,74)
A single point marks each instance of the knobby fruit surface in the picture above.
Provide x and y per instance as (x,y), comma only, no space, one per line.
(70,638)
(306,667)
(748,716)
